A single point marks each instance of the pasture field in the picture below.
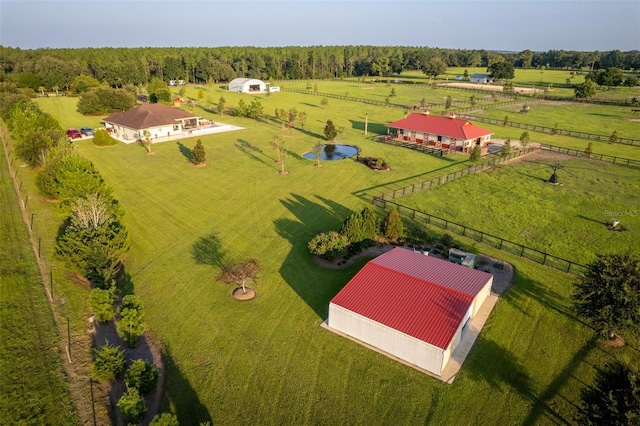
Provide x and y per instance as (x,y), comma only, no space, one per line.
(33,389)
(589,118)
(515,202)
(267,361)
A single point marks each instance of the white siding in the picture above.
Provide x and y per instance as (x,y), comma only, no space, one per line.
(393,342)
(481,297)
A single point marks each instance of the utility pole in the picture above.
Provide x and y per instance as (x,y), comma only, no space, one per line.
(366,124)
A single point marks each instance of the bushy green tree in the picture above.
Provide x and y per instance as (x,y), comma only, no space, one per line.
(588,150)
(104,99)
(506,148)
(142,376)
(614,137)
(108,364)
(614,399)
(198,155)
(255,109)
(241,109)
(220,106)
(505,121)
(608,293)
(130,325)
(361,226)
(84,83)
(159,91)
(447,102)
(585,90)
(132,406)
(330,132)
(101,303)
(502,70)
(329,245)
(392,226)
(37,144)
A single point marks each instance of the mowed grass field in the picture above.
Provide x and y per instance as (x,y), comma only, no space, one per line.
(268,361)
(515,202)
(33,389)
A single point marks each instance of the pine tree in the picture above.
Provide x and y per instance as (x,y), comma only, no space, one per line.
(198,154)
(524,139)
(475,154)
(330,132)
(392,225)
(506,148)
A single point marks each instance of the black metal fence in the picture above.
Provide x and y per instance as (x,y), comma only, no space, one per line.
(441,180)
(484,237)
(552,130)
(619,161)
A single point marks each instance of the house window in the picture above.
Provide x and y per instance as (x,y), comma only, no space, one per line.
(439,138)
(176,127)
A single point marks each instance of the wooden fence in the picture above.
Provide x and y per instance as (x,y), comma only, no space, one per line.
(483,237)
(619,161)
(441,180)
(553,131)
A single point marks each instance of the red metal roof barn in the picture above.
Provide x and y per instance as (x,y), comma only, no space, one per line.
(411,306)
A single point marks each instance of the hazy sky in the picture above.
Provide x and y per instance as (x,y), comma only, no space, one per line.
(493,25)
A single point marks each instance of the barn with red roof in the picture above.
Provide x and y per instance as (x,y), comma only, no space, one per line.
(441,132)
(410,306)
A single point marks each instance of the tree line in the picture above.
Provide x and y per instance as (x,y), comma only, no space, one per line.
(67,69)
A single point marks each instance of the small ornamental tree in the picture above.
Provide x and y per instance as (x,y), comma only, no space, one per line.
(109,363)
(142,376)
(506,148)
(392,227)
(239,273)
(475,154)
(317,152)
(198,155)
(608,293)
(614,137)
(220,107)
(146,140)
(505,121)
(524,139)
(329,245)
(132,406)
(554,131)
(302,119)
(130,326)
(330,132)
(101,303)
(588,150)
(278,145)
(393,92)
(472,100)
(241,109)
(324,101)
(447,102)
(614,399)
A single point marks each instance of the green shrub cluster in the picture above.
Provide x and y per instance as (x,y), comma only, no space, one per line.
(132,406)
(360,230)
(109,363)
(130,326)
(253,110)
(142,376)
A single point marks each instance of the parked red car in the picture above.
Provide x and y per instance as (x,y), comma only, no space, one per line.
(74,134)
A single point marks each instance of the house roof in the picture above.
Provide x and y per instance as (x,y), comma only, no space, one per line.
(480,75)
(241,81)
(438,125)
(148,115)
(421,296)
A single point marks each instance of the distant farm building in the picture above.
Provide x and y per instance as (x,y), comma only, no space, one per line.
(413,307)
(449,133)
(247,85)
(480,78)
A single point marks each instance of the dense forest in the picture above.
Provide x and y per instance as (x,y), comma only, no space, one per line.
(58,69)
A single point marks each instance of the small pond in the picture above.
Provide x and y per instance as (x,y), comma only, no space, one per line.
(340,152)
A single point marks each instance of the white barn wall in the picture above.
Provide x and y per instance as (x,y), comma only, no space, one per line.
(400,345)
(481,297)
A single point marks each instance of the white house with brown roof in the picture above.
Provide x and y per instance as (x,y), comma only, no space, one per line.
(441,132)
(410,306)
(159,119)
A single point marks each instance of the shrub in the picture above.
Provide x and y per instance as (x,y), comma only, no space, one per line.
(164,419)
(101,302)
(392,226)
(142,376)
(102,138)
(130,326)
(329,245)
(109,363)
(131,406)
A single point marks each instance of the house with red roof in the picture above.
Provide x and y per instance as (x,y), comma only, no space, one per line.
(410,306)
(441,132)
(160,120)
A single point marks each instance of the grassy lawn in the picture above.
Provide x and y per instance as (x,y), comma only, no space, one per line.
(268,361)
(514,202)
(33,389)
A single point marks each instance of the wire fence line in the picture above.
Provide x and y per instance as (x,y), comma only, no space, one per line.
(484,237)
(618,161)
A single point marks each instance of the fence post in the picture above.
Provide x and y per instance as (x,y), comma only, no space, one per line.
(31,224)
(522,251)
(544,259)
(51,283)
(39,246)
(501,241)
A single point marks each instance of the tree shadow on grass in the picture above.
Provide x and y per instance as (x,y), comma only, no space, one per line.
(313,284)
(207,250)
(372,127)
(499,368)
(252,152)
(180,395)
(185,151)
